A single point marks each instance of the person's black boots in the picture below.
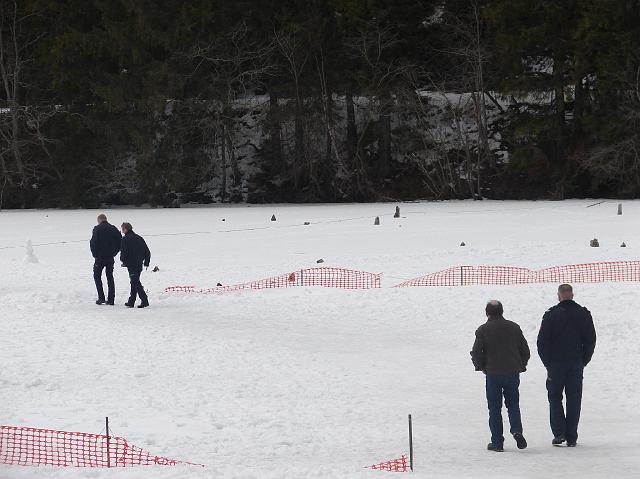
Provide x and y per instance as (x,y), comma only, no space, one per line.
(144,304)
(129,304)
(558,440)
(494,448)
(521,442)
(100,301)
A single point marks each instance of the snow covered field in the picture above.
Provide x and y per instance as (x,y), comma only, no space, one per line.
(311,382)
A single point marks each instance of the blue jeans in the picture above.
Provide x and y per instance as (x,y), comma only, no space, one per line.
(107,265)
(136,286)
(565,376)
(499,385)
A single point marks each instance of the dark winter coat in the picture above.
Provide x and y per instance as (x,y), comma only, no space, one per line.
(105,241)
(134,251)
(500,348)
(566,334)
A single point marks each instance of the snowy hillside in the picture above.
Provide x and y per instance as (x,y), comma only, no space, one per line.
(311,382)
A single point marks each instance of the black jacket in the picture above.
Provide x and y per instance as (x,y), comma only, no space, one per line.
(134,251)
(105,241)
(500,348)
(566,334)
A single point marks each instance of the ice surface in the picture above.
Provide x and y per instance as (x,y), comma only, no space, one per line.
(311,383)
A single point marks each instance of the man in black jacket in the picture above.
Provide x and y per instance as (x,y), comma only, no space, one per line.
(105,244)
(501,352)
(134,253)
(566,342)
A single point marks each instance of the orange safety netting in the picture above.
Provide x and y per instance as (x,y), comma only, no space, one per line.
(394,465)
(503,275)
(323,276)
(26,446)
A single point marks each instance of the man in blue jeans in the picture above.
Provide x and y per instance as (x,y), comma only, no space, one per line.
(501,352)
(566,342)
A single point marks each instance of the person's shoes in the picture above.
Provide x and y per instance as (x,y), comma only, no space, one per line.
(143,305)
(492,447)
(100,301)
(129,305)
(521,442)
(558,440)
(109,302)
(571,443)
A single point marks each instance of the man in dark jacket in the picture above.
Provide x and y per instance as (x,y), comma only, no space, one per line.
(501,352)
(105,244)
(134,253)
(566,342)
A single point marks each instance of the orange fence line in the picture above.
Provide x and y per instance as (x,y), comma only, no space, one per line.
(506,275)
(27,446)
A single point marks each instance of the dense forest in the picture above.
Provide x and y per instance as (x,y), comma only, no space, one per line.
(165,102)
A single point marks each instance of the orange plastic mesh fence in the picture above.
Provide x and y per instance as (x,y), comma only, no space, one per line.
(323,276)
(502,275)
(26,446)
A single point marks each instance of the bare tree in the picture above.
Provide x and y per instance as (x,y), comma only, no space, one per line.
(21,124)
(231,65)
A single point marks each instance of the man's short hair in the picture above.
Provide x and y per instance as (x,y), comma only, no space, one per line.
(127,226)
(494,308)
(102,217)
(565,289)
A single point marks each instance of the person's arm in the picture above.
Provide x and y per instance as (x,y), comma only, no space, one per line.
(588,338)
(478,353)
(124,252)
(117,241)
(544,339)
(525,353)
(93,244)
(147,254)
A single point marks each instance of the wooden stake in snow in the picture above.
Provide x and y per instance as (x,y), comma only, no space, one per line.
(619,209)
(410,443)
(108,438)
(376,222)
(397,213)
(273,218)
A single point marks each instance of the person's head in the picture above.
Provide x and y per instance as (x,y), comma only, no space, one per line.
(565,292)
(102,218)
(126,227)
(494,308)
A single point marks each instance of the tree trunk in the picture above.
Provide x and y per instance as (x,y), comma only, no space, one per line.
(559,103)
(352,131)
(275,132)
(223,157)
(384,148)
(299,160)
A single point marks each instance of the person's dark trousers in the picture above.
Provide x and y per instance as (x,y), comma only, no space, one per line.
(499,385)
(565,376)
(136,287)
(107,265)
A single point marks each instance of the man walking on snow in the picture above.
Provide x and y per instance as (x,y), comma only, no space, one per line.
(104,244)
(501,352)
(134,253)
(566,342)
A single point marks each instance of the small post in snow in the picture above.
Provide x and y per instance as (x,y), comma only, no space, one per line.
(461,275)
(107,433)
(410,444)
(619,209)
